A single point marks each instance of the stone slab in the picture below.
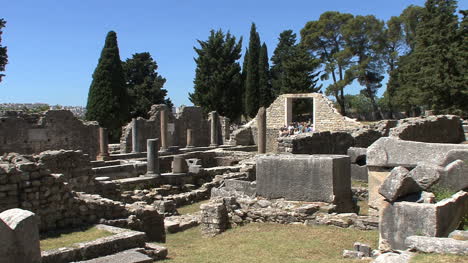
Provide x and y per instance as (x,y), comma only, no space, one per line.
(437,245)
(128,256)
(357,153)
(324,178)
(391,152)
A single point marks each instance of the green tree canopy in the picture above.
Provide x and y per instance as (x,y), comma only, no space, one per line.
(324,39)
(218,77)
(107,97)
(3,51)
(264,81)
(145,85)
(293,69)
(252,93)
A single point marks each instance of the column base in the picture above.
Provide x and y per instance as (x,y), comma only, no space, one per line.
(103,157)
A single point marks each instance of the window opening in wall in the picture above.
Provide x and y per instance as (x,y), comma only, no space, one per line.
(300,116)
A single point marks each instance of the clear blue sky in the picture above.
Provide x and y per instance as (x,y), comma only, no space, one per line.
(54,45)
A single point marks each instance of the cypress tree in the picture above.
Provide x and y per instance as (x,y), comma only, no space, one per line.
(252,94)
(3,51)
(107,97)
(264,82)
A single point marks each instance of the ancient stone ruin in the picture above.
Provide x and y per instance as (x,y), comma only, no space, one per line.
(59,173)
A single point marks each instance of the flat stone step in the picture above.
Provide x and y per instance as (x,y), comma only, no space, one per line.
(127,256)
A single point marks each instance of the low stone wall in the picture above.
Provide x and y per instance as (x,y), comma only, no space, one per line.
(53,130)
(316,143)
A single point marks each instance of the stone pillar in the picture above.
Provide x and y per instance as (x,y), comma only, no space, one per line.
(179,165)
(261,130)
(152,165)
(214,129)
(190,138)
(103,145)
(163,118)
(135,145)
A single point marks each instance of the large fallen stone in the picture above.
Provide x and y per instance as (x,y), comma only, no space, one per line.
(400,220)
(357,154)
(392,152)
(437,245)
(128,256)
(148,220)
(323,178)
(393,257)
(439,129)
(398,184)
(19,237)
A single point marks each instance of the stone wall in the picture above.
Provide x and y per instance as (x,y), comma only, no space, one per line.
(27,182)
(327,118)
(186,118)
(52,130)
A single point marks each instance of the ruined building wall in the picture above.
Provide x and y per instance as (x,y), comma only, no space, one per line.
(52,130)
(327,118)
(187,118)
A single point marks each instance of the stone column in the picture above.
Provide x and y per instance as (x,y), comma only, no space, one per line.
(135,145)
(179,165)
(261,130)
(163,118)
(214,129)
(152,165)
(189,138)
(103,144)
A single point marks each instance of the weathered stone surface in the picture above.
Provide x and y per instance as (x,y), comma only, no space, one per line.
(155,251)
(52,130)
(357,154)
(128,256)
(437,245)
(391,152)
(148,221)
(19,232)
(363,248)
(352,254)
(316,143)
(435,129)
(425,175)
(306,178)
(359,172)
(398,184)
(459,235)
(392,257)
(214,219)
(399,220)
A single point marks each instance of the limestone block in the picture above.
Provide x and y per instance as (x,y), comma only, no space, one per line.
(312,178)
(400,220)
(459,235)
(437,245)
(359,172)
(398,184)
(391,152)
(393,257)
(19,234)
(356,153)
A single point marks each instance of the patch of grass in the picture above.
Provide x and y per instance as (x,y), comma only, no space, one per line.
(432,258)
(357,183)
(65,239)
(441,193)
(363,208)
(190,209)
(267,243)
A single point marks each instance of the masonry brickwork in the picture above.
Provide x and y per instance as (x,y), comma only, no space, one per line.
(52,130)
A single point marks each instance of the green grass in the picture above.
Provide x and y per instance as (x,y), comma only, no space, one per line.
(433,258)
(357,183)
(268,243)
(66,239)
(190,209)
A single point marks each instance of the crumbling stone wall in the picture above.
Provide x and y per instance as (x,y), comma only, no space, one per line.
(327,118)
(186,118)
(27,182)
(52,130)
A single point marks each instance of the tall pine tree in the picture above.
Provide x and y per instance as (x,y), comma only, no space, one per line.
(218,77)
(107,97)
(434,71)
(3,51)
(264,83)
(252,93)
(145,85)
(293,69)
